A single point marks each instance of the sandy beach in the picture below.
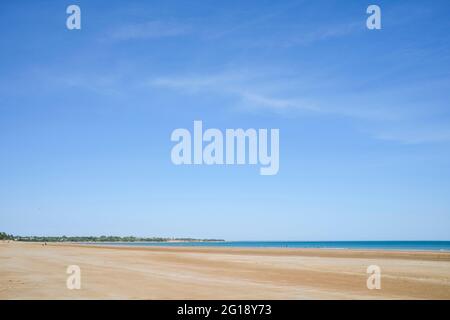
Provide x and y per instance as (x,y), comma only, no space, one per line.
(34,271)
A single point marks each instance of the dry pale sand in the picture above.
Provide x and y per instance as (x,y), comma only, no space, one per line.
(34,271)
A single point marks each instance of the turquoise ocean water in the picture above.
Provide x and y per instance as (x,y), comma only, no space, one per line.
(385,245)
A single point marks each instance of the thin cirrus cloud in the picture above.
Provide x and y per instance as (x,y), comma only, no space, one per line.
(304,38)
(417,135)
(380,120)
(149,30)
(236,85)
(384,120)
(269,92)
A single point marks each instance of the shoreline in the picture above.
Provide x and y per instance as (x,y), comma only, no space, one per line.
(363,252)
(137,245)
(318,252)
(220,244)
(35,271)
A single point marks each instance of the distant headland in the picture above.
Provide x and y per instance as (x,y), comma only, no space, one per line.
(5,236)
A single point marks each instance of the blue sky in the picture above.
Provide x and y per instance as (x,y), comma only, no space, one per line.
(364,118)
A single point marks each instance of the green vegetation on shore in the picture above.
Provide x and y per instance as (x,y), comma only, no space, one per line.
(4,236)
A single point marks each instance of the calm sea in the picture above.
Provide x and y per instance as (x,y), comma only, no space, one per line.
(385,245)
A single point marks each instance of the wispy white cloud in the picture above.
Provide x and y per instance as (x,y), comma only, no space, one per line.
(254,21)
(277,104)
(383,119)
(418,135)
(54,81)
(329,32)
(242,86)
(269,91)
(149,30)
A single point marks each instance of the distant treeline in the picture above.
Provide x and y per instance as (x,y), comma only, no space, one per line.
(4,236)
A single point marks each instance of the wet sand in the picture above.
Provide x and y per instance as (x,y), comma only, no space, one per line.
(34,271)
